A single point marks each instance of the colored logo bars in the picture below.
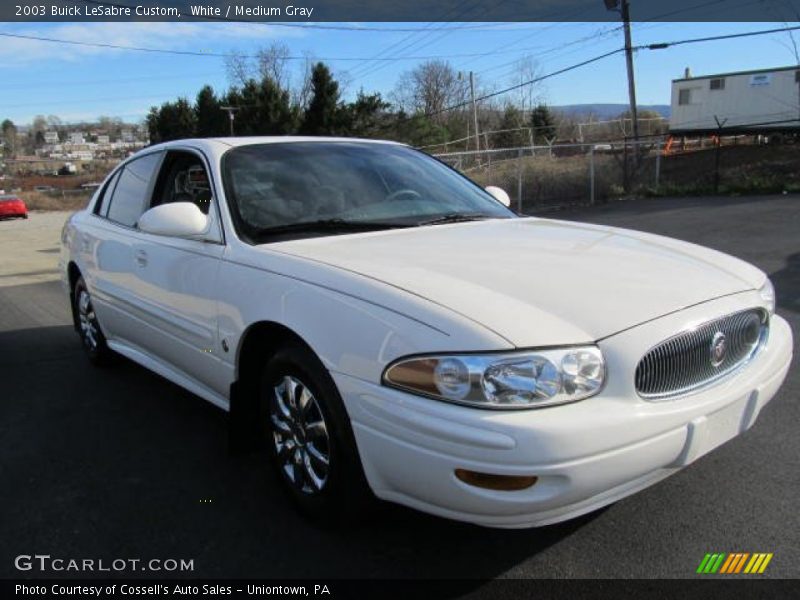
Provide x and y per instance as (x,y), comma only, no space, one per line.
(733,563)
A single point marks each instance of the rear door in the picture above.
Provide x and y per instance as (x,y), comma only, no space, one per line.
(108,249)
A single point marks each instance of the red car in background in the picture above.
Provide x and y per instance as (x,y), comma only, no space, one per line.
(12,207)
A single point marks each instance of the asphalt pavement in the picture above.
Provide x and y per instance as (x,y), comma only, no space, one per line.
(119,463)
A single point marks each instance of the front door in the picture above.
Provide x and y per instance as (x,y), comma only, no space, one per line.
(176,278)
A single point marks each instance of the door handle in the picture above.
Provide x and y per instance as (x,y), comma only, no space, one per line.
(141,258)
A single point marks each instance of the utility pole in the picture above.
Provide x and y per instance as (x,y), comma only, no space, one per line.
(474,111)
(231,110)
(623,6)
(626,24)
(718,149)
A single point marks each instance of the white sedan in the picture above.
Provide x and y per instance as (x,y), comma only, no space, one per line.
(382,325)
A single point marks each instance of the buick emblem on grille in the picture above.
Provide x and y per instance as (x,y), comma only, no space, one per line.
(719,348)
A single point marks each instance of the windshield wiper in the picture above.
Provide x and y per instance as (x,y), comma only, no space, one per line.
(328,225)
(454,218)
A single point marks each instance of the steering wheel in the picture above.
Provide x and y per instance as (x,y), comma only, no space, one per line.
(405,194)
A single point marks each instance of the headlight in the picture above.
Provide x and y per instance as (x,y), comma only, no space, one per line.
(514,380)
(767,292)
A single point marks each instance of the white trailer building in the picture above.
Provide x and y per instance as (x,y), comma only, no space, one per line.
(745,101)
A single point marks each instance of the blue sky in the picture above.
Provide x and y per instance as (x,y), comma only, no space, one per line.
(75,82)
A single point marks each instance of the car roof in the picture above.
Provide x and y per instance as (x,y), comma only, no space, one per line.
(219,145)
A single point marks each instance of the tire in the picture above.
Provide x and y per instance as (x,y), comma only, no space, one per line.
(309,440)
(88,327)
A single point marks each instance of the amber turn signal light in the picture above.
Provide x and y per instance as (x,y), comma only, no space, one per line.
(505,483)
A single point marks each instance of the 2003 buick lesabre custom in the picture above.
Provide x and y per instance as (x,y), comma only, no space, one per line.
(393,328)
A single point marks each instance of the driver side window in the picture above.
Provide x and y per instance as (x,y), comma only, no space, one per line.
(183,178)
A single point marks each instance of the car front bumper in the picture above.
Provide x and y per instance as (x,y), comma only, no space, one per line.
(586,455)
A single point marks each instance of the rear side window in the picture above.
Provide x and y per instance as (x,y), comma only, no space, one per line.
(131,192)
(102,203)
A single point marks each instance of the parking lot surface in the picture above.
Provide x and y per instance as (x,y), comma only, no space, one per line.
(119,463)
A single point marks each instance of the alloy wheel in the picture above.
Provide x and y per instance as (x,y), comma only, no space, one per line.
(88,321)
(300,435)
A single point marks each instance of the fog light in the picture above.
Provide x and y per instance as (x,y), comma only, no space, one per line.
(507,483)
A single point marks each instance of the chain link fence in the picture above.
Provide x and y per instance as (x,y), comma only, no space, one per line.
(536,177)
(546,177)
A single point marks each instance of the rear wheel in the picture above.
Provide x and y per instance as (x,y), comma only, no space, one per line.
(92,338)
(309,439)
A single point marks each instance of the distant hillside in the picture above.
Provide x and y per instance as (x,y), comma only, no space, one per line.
(607,111)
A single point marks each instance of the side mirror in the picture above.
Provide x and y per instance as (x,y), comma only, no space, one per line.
(177,219)
(499,194)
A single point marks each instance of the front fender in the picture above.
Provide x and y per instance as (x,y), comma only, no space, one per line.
(342,316)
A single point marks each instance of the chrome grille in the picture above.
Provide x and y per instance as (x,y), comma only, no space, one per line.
(695,358)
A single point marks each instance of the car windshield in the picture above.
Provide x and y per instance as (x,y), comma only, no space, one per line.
(301,189)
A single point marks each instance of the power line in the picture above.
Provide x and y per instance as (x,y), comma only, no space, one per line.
(501,49)
(654,46)
(532,81)
(85,82)
(652,19)
(223,55)
(555,16)
(714,38)
(593,37)
(398,45)
(370,68)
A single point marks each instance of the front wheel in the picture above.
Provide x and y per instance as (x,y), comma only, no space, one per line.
(309,438)
(92,338)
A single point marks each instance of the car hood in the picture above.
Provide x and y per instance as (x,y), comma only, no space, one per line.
(538,281)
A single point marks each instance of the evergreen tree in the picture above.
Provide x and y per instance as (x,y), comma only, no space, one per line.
(246,99)
(274,112)
(172,121)
(418,130)
(212,121)
(363,117)
(9,131)
(152,125)
(543,122)
(322,117)
(511,135)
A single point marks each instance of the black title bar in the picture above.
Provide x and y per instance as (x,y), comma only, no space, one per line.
(308,12)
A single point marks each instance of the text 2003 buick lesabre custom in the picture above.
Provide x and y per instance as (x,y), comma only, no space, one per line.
(394,329)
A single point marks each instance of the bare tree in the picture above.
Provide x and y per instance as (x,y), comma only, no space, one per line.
(780,10)
(301,93)
(273,63)
(239,68)
(527,96)
(54,122)
(430,88)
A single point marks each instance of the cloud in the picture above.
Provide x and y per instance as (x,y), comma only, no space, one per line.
(196,37)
